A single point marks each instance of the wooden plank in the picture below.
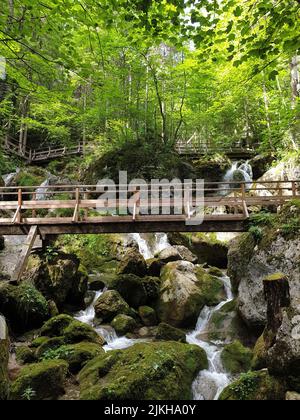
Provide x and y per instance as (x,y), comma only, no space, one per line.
(23,259)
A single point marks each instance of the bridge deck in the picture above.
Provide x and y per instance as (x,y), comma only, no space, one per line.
(225,208)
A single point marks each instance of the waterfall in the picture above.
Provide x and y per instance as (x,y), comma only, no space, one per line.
(114,342)
(147,249)
(210,383)
(240,172)
(41,191)
(10,177)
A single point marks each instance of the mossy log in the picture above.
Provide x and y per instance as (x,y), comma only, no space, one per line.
(277,295)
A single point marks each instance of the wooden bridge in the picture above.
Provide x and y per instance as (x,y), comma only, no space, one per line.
(197,150)
(83,209)
(41,154)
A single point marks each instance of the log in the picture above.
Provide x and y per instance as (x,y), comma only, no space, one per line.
(277,295)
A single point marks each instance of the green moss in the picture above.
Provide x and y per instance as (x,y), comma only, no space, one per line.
(25,355)
(77,355)
(212,288)
(152,371)
(259,360)
(45,380)
(275,277)
(49,346)
(255,386)
(236,358)
(168,333)
(71,330)
(24,306)
(123,324)
(148,316)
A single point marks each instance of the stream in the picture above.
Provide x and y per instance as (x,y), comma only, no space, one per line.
(210,383)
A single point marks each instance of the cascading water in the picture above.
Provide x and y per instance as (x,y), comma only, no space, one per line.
(108,333)
(41,192)
(210,383)
(240,172)
(160,243)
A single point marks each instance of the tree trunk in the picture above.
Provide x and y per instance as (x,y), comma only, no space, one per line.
(295,80)
(277,295)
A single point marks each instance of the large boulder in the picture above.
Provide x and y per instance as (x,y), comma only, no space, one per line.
(40,381)
(59,279)
(131,289)
(146,371)
(250,263)
(24,306)
(4,356)
(70,331)
(255,386)
(147,315)
(184,292)
(207,249)
(133,263)
(110,304)
(260,164)
(236,358)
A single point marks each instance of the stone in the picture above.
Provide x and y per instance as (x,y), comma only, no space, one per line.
(59,279)
(4,357)
(145,371)
(210,252)
(23,306)
(131,289)
(148,316)
(71,330)
(236,358)
(123,324)
(259,386)
(186,254)
(110,304)
(292,396)
(169,255)
(25,355)
(184,291)
(154,267)
(133,263)
(40,381)
(168,333)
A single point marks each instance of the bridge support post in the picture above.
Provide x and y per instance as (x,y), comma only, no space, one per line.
(27,247)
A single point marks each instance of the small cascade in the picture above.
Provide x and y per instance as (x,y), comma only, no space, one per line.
(42,190)
(210,383)
(10,177)
(114,342)
(239,172)
(147,248)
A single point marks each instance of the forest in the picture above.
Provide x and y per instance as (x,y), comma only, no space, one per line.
(98,304)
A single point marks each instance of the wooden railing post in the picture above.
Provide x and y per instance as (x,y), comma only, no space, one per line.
(76,211)
(294,189)
(245,207)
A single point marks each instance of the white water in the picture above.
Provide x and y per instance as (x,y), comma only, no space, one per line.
(210,383)
(108,333)
(42,190)
(161,243)
(9,177)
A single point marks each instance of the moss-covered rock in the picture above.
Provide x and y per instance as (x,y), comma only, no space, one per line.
(259,360)
(40,381)
(58,278)
(24,306)
(133,263)
(4,356)
(168,333)
(131,289)
(71,330)
(213,253)
(226,325)
(147,315)
(236,358)
(216,272)
(255,386)
(123,324)
(152,371)
(184,291)
(77,355)
(110,304)
(212,288)
(50,345)
(25,355)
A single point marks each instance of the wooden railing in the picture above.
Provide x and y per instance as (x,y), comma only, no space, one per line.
(82,204)
(198,149)
(42,154)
